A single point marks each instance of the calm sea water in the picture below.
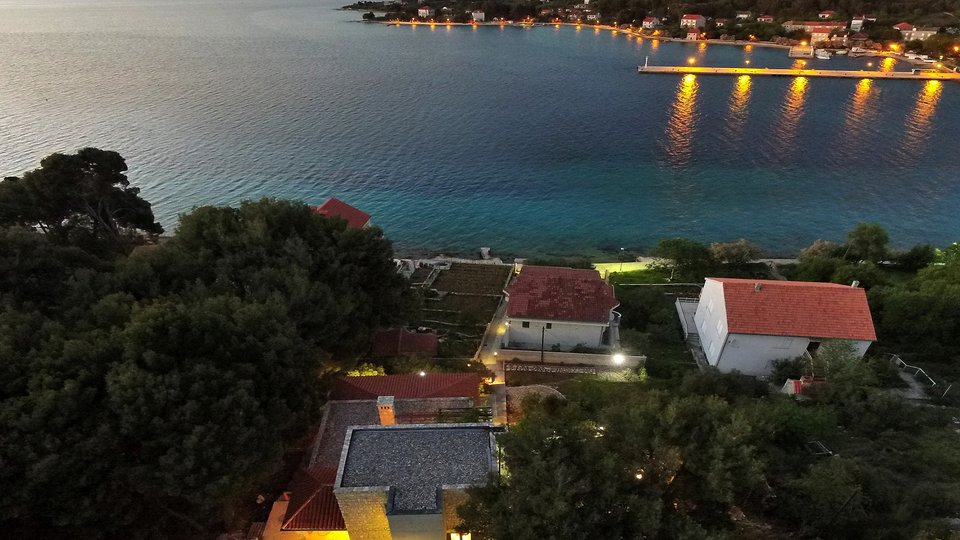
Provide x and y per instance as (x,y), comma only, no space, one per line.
(536,140)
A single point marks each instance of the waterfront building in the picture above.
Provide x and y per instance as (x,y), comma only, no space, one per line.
(820,34)
(478,16)
(593,16)
(856,24)
(693,34)
(555,308)
(744,15)
(425,12)
(335,208)
(765,18)
(918,32)
(649,23)
(692,20)
(746,324)
(826,14)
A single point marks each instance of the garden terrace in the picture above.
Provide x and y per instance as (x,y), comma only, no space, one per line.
(479,279)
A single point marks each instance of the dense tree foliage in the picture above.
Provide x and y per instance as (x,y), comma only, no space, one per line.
(148,395)
(716,456)
(82,199)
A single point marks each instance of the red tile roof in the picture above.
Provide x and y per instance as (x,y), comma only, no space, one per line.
(560,294)
(313,506)
(797,308)
(334,207)
(904,26)
(649,19)
(821,30)
(411,386)
(398,341)
(827,12)
(690,16)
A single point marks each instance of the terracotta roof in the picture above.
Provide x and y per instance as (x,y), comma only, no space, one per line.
(903,26)
(560,294)
(649,19)
(397,341)
(410,386)
(690,16)
(334,207)
(313,506)
(797,308)
(827,12)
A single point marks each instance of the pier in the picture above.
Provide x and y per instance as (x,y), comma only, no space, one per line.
(915,75)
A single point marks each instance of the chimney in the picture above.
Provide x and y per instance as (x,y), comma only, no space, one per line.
(756,287)
(385,408)
(855,284)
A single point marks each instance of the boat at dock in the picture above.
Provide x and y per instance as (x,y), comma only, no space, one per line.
(822,54)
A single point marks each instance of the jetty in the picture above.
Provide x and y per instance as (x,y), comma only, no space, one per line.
(915,74)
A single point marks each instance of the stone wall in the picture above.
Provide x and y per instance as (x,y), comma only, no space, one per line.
(365,512)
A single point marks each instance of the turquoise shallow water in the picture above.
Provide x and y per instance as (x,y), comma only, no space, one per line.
(527,140)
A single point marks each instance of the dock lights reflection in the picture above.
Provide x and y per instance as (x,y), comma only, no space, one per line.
(746,62)
(618,359)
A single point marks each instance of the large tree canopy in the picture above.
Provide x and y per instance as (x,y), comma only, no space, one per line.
(83,199)
(149,395)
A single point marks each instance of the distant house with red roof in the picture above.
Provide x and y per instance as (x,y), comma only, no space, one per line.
(693,34)
(333,207)
(746,324)
(650,23)
(820,34)
(425,12)
(692,20)
(720,23)
(560,307)
(826,14)
(903,26)
(765,18)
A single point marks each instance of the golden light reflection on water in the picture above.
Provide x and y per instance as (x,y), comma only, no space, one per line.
(702,48)
(680,128)
(917,127)
(858,120)
(739,99)
(887,64)
(654,44)
(793,109)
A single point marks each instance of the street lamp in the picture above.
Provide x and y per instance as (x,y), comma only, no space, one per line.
(621,259)
(618,359)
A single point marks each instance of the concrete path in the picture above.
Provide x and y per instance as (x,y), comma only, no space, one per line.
(914,389)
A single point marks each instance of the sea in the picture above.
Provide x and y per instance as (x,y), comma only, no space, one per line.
(536,141)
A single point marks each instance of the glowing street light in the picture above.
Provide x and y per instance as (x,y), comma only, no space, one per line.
(619,359)
(691,60)
(423,373)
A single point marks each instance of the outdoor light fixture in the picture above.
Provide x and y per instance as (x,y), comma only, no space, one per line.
(618,359)
(423,373)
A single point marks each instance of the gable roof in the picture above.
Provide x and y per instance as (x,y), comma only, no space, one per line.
(903,26)
(334,207)
(560,294)
(408,386)
(313,506)
(397,341)
(692,16)
(797,308)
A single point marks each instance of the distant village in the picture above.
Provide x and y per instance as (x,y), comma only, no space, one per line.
(828,29)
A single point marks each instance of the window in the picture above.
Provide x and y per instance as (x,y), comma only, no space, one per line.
(549,326)
(719,327)
(459,536)
(710,306)
(525,324)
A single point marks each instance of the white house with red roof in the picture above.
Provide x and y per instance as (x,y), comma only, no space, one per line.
(765,18)
(425,12)
(692,20)
(649,23)
(826,14)
(747,324)
(333,207)
(554,307)
(820,34)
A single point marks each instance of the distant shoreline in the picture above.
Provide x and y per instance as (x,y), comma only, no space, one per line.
(605,27)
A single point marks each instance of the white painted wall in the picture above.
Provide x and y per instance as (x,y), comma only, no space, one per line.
(754,354)
(711,311)
(565,334)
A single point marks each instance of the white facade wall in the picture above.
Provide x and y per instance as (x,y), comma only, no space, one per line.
(699,22)
(416,526)
(711,311)
(566,335)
